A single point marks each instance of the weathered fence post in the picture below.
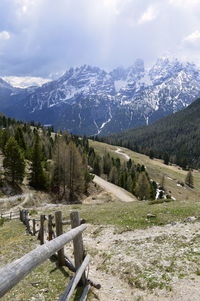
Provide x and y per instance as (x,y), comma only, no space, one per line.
(41,231)
(50,227)
(59,231)
(20,215)
(79,252)
(24,216)
(27,221)
(34,230)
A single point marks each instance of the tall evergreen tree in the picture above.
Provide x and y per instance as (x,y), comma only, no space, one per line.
(129,164)
(19,136)
(75,172)
(113,176)
(14,163)
(189,179)
(162,183)
(4,136)
(97,165)
(151,154)
(143,187)
(38,179)
(153,189)
(107,163)
(129,184)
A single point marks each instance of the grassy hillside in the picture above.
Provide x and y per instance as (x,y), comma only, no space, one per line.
(157,169)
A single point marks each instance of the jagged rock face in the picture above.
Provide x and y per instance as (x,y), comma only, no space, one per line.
(88,100)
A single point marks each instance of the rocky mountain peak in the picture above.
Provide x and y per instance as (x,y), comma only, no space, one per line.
(89,100)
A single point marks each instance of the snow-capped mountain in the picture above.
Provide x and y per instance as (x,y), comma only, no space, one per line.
(89,100)
(25,81)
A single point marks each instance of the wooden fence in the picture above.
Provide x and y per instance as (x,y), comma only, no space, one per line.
(9,215)
(12,273)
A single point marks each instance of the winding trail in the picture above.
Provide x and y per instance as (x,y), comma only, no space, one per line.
(117,191)
(120,152)
(15,197)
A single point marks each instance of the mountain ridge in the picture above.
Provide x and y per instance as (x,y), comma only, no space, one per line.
(88,100)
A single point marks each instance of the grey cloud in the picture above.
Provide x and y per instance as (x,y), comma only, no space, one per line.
(54,35)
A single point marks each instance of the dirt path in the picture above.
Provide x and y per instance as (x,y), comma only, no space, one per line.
(117,191)
(147,259)
(14,198)
(120,152)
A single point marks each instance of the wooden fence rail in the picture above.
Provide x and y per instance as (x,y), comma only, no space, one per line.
(12,273)
(75,280)
(10,215)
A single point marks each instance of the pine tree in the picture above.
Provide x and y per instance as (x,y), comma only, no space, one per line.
(166,159)
(4,136)
(58,181)
(75,172)
(20,138)
(107,163)
(143,187)
(129,184)
(122,178)
(14,163)
(97,166)
(162,184)
(154,187)
(38,179)
(117,163)
(87,176)
(189,179)
(151,154)
(113,176)
(129,164)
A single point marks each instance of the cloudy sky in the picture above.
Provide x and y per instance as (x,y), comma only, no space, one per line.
(44,37)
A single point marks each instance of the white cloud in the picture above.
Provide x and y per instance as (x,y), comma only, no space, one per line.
(4,35)
(184,3)
(27,6)
(112,4)
(149,15)
(193,37)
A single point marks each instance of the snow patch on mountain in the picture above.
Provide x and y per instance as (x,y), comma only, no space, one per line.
(89,100)
(119,84)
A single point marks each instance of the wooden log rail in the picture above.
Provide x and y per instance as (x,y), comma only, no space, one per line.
(10,215)
(12,273)
(75,280)
(17,270)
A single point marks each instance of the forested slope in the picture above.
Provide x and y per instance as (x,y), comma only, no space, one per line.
(52,162)
(175,138)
